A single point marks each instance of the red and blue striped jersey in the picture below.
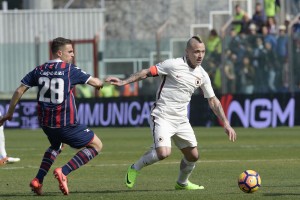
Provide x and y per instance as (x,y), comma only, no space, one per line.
(55,80)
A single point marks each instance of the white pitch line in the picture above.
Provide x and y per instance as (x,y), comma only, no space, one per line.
(161,163)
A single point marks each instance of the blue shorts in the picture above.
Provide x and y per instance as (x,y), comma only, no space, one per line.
(77,136)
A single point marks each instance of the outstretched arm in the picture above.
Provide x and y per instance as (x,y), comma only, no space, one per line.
(140,75)
(216,106)
(13,102)
(95,82)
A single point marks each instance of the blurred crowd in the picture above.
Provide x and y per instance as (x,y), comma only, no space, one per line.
(255,55)
(252,58)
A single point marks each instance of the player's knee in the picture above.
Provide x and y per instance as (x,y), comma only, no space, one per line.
(192,158)
(163,154)
(97,144)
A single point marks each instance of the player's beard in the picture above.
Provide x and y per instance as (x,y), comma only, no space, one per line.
(190,63)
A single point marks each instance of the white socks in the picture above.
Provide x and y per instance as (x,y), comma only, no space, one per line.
(2,144)
(186,169)
(148,158)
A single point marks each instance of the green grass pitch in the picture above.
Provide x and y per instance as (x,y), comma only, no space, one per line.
(274,153)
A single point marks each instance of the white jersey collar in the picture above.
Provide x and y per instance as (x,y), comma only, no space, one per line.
(55,60)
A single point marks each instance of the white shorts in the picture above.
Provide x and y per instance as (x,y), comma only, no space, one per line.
(163,130)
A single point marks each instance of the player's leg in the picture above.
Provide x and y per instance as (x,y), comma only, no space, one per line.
(187,165)
(161,132)
(150,157)
(185,140)
(48,159)
(3,155)
(83,156)
(91,145)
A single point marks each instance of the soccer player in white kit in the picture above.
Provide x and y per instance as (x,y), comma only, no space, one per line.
(180,77)
(3,155)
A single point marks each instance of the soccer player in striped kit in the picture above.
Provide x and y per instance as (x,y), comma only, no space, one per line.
(57,112)
(180,77)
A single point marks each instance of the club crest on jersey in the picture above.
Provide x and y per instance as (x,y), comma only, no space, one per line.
(198,82)
(160,139)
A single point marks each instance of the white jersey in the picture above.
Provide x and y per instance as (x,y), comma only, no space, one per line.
(178,83)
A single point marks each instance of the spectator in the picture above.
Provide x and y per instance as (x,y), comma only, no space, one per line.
(252,36)
(295,7)
(296,30)
(270,38)
(282,52)
(259,63)
(271,25)
(229,72)
(83,91)
(214,46)
(285,78)
(296,60)
(238,17)
(242,50)
(271,66)
(259,17)
(109,91)
(246,23)
(234,42)
(271,7)
(213,73)
(286,22)
(247,76)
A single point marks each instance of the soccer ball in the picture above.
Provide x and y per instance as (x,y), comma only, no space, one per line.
(249,181)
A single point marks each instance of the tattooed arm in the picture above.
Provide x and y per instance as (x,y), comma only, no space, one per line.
(216,106)
(140,75)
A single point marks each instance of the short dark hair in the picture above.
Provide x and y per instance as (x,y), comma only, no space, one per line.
(57,43)
(196,37)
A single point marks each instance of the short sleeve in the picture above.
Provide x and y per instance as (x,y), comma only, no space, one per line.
(164,68)
(207,87)
(30,79)
(78,76)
